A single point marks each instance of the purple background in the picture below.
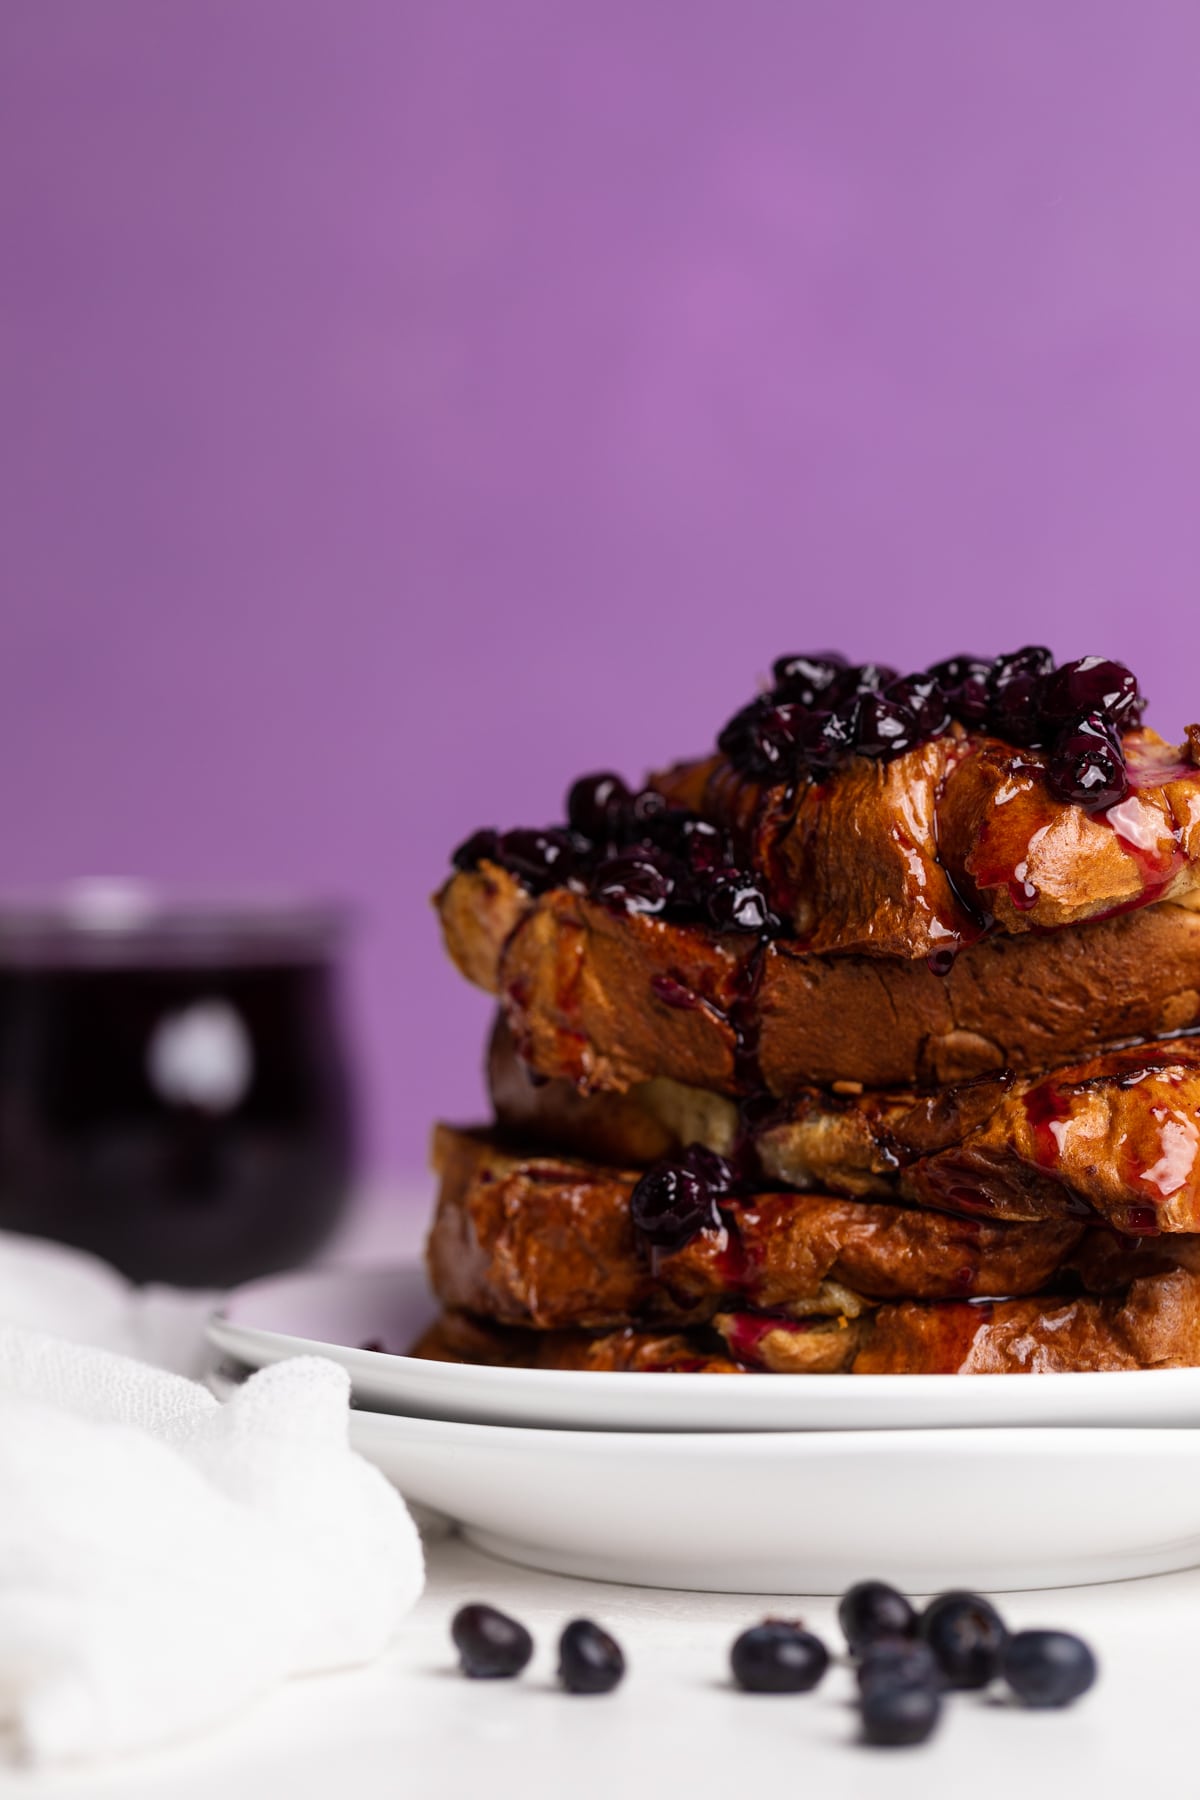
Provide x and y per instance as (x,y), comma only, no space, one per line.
(405,406)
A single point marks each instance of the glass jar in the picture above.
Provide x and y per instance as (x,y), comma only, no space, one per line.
(173,1086)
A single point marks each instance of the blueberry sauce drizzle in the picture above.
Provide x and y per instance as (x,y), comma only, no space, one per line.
(635,853)
(821,710)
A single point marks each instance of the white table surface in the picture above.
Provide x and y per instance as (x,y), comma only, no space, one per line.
(410,1726)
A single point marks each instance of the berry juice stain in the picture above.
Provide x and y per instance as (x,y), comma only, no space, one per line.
(1047,1109)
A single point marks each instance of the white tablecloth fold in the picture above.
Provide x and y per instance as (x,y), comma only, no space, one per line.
(164,1557)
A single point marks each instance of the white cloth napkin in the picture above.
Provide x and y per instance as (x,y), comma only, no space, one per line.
(164,1557)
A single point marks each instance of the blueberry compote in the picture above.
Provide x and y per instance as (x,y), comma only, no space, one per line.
(636,853)
(821,710)
(678,1198)
(173,1095)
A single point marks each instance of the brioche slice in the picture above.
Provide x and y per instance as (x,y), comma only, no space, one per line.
(1115,1139)
(910,856)
(545,1241)
(1154,1324)
(456,1337)
(608,1000)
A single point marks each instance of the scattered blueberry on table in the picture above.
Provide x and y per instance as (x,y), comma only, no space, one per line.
(898,1662)
(905,1661)
(490,1645)
(778,1657)
(872,1609)
(900,1714)
(1048,1668)
(967,1635)
(590,1660)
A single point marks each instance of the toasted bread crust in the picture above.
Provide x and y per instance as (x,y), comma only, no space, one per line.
(547,1241)
(1154,1324)
(1115,1138)
(907,857)
(456,1337)
(608,1000)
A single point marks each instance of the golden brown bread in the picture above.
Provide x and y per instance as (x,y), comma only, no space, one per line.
(546,1241)
(906,858)
(608,1000)
(456,1337)
(1115,1138)
(1155,1324)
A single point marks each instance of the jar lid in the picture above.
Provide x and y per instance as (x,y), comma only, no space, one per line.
(127,924)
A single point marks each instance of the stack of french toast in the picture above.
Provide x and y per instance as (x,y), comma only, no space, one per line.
(869,1043)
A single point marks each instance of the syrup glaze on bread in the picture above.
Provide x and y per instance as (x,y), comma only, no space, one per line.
(1153,1324)
(891,817)
(533,1239)
(868,1043)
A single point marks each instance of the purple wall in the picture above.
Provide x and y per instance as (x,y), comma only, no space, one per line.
(403,406)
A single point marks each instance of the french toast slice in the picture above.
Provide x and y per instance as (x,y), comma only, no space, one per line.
(910,857)
(1154,1324)
(548,1241)
(1113,1139)
(609,1000)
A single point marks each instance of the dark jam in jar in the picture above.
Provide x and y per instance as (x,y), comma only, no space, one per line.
(173,1095)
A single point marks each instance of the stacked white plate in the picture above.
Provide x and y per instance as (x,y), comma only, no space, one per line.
(753,1483)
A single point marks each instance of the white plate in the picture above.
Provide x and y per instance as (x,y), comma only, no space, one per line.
(806,1512)
(330,1312)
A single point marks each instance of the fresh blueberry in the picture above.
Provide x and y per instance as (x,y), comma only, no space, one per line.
(898,1662)
(1048,1668)
(967,1636)
(490,1644)
(872,1609)
(481,846)
(595,806)
(590,1660)
(778,1657)
(1087,766)
(900,1715)
(1093,684)
(804,679)
(737,903)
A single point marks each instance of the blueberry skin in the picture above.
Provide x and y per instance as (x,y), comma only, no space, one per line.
(872,1609)
(967,1636)
(778,1657)
(490,1645)
(590,1660)
(898,1662)
(1048,1668)
(900,1715)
